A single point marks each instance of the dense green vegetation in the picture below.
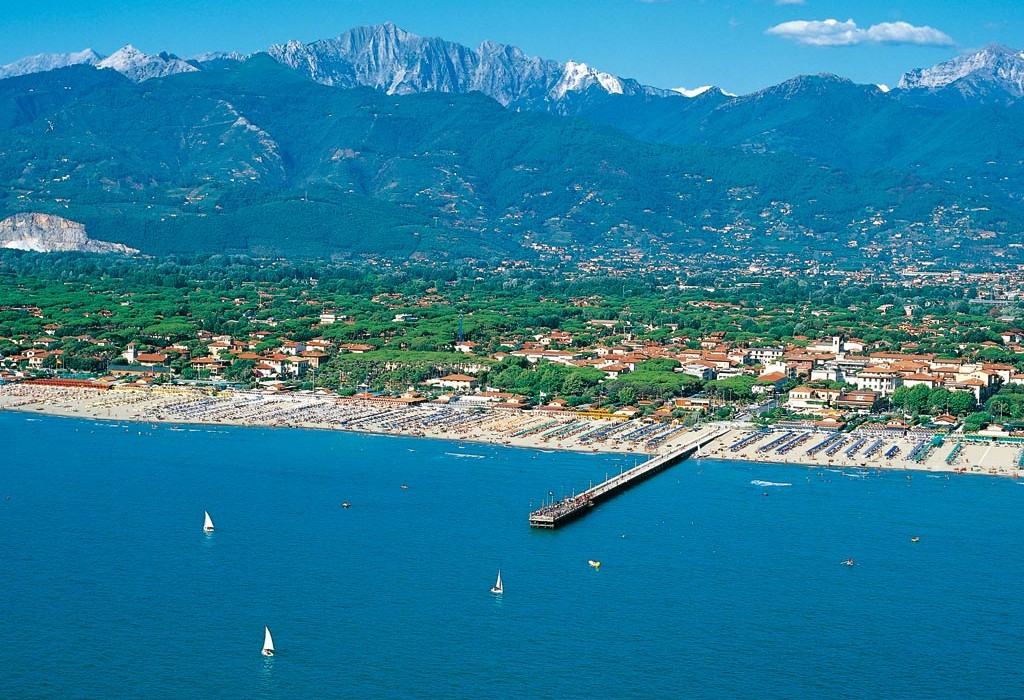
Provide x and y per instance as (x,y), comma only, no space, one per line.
(253,158)
(920,399)
(93,306)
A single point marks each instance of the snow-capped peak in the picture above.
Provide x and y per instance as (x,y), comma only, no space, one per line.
(139,65)
(48,61)
(580,76)
(883,87)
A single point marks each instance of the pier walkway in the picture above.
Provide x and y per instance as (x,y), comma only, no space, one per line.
(559,513)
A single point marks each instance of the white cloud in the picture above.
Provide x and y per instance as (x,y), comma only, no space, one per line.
(906,33)
(829,32)
(832,32)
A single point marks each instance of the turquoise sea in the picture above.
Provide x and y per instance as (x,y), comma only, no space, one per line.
(708,587)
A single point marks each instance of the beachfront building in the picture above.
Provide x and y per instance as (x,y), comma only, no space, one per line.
(282,364)
(456,382)
(219,348)
(151,359)
(881,379)
(806,399)
(494,399)
(692,403)
(859,401)
(315,358)
(36,358)
(138,371)
(208,366)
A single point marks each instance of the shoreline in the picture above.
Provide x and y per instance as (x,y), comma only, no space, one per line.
(247,409)
(954,456)
(524,429)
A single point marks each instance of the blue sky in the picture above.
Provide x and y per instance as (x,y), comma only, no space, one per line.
(740,45)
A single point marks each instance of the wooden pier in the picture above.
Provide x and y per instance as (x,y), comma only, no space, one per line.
(559,513)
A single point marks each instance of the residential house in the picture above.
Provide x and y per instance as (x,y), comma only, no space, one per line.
(770,383)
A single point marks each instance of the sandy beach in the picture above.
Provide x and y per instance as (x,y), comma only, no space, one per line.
(876,449)
(532,429)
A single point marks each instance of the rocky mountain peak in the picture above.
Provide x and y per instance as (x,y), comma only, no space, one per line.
(995,69)
(48,61)
(389,58)
(138,65)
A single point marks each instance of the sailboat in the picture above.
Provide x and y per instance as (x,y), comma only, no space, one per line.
(268,642)
(498,588)
(207,522)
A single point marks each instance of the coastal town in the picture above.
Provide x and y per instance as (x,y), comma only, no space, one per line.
(587,382)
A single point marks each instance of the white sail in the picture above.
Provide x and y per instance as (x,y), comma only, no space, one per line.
(498,588)
(207,522)
(268,642)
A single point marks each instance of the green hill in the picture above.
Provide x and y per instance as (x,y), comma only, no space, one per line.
(252,157)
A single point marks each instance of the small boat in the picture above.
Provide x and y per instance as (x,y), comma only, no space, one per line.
(848,562)
(207,522)
(345,504)
(915,539)
(498,588)
(405,487)
(595,564)
(268,642)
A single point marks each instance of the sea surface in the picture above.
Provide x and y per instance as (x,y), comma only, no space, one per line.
(719,579)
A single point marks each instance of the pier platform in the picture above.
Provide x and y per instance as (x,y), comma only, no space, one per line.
(561,512)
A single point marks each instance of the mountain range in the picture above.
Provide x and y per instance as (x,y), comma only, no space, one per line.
(383,142)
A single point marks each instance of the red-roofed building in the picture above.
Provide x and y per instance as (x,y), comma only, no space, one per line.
(770,383)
